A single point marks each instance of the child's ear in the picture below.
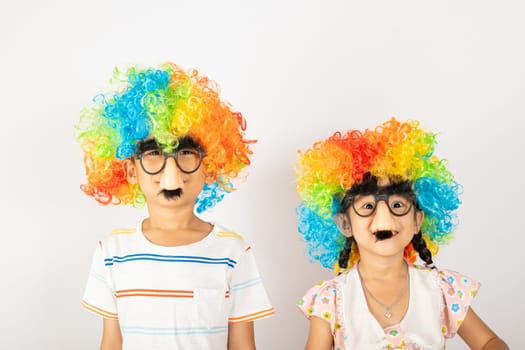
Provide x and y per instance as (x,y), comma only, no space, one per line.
(131,171)
(343,223)
(210,178)
(420,215)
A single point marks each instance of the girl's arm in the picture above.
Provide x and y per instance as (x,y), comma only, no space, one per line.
(240,336)
(478,335)
(111,336)
(320,336)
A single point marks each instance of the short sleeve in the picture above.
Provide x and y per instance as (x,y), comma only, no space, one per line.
(99,295)
(249,300)
(321,301)
(458,291)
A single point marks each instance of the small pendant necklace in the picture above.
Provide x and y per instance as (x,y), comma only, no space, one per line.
(388,308)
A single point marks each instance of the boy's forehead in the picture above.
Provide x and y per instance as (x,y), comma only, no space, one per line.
(148,140)
(383,182)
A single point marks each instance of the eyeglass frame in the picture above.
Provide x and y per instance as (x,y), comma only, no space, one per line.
(173,155)
(349,202)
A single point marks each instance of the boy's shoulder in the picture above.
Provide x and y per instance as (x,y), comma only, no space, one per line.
(122,231)
(222,232)
(229,237)
(119,237)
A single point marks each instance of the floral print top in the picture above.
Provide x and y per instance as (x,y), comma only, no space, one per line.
(439,301)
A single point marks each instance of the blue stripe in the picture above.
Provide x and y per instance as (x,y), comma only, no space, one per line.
(246,284)
(174,331)
(169,258)
(173,260)
(100,278)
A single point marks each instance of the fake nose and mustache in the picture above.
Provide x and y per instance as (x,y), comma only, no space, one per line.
(171,194)
(382,235)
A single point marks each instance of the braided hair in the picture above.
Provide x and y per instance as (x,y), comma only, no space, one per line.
(344,256)
(420,246)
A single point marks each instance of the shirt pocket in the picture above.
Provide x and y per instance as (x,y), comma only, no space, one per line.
(210,307)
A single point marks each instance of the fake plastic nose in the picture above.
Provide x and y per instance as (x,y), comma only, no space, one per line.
(382,219)
(171,176)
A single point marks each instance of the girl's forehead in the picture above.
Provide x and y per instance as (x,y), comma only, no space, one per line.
(383,185)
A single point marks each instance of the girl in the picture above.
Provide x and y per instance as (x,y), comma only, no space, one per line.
(371,202)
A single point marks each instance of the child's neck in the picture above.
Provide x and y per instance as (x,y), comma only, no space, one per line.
(384,269)
(174,228)
(172,220)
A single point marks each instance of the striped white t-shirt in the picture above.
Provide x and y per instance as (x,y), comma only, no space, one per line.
(175,297)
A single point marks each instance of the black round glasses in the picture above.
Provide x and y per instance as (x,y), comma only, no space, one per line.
(365,205)
(153,161)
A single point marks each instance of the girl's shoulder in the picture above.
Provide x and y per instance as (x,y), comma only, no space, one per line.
(447,279)
(322,289)
(319,299)
(325,298)
(456,279)
(330,287)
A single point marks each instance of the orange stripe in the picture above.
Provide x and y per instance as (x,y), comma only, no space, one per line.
(158,293)
(252,317)
(155,295)
(255,313)
(99,311)
(154,290)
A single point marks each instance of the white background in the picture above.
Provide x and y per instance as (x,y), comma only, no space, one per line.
(298,71)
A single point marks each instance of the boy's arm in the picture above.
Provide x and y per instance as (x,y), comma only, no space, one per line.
(111,336)
(478,335)
(241,336)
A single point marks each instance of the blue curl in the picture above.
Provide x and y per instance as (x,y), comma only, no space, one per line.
(210,195)
(438,200)
(126,112)
(323,238)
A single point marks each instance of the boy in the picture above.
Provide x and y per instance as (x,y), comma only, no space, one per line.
(164,138)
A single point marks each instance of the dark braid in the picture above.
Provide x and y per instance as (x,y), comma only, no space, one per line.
(345,253)
(421,247)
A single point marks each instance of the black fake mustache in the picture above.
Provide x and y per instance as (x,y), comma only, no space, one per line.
(382,235)
(171,194)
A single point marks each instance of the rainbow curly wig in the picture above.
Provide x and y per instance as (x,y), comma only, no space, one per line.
(400,150)
(165,103)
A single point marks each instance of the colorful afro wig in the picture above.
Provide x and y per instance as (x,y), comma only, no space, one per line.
(400,150)
(164,103)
